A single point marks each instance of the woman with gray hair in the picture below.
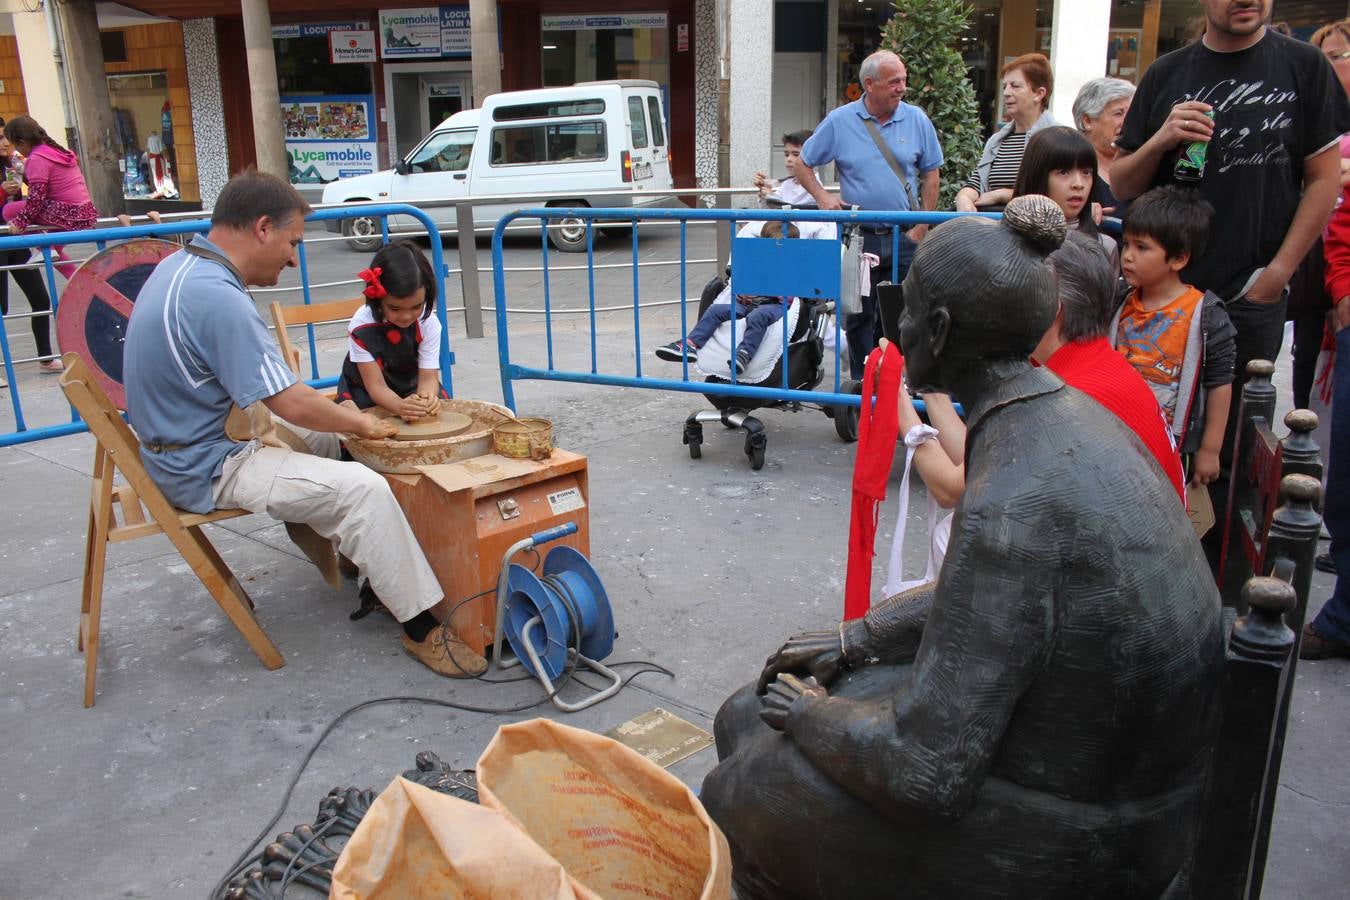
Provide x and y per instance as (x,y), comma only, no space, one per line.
(1099,112)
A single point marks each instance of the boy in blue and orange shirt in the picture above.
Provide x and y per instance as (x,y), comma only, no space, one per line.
(1179,339)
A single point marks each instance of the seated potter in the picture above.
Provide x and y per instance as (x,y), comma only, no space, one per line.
(1034,723)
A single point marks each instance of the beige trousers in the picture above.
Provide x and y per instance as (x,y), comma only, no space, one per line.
(342,501)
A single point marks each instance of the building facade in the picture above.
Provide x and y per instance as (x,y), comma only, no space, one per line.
(359,86)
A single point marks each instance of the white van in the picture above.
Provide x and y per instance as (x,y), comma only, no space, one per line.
(568,142)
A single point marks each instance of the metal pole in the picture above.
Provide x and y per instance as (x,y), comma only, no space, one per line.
(468,270)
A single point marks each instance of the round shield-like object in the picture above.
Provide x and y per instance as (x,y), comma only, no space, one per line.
(91,319)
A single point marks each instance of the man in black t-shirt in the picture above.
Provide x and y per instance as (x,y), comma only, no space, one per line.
(1272,169)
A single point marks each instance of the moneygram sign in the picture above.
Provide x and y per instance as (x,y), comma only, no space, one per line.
(351,46)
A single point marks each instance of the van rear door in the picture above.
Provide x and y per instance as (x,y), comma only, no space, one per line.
(648,138)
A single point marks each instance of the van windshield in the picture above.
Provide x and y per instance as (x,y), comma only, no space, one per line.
(444,151)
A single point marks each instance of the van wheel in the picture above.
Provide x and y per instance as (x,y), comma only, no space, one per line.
(569,234)
(363,233)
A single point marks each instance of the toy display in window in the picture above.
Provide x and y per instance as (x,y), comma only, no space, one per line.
(158,169)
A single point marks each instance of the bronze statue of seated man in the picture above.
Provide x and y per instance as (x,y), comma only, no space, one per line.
(1035,723)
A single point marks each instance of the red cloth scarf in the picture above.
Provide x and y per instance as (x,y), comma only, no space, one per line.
(878,430)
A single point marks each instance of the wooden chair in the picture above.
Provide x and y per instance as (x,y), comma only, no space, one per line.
(118,450)
(308,314)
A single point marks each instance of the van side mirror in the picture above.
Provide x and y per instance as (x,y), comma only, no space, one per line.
(401,167)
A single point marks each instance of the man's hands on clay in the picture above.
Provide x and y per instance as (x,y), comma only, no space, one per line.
(783,693)
(817,653)
(376,429)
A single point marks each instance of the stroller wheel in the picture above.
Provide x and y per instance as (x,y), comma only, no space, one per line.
(846,417)
(754,448)
(693,437)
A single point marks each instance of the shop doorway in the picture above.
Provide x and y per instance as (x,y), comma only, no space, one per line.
(419,97)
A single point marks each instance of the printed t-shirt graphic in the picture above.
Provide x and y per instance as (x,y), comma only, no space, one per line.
(1154,342)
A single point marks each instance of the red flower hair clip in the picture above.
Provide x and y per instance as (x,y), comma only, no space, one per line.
(374,290)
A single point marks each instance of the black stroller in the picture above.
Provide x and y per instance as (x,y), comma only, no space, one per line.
(804,360)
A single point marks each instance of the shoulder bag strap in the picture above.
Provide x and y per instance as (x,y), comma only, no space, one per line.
(218,258)
(886,154)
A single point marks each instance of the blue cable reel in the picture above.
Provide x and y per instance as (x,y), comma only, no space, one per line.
(543,616)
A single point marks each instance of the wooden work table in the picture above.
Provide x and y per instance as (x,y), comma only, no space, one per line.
(466,514)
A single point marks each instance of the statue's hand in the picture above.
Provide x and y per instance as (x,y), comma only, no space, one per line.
(785,691)
(816,653)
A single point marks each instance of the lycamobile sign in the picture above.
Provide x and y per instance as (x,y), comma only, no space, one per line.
(410,32)
(328,137)
(424,31)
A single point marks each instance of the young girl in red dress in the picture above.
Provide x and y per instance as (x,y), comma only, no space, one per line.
(394,341)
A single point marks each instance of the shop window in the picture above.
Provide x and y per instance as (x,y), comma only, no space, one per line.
(114,45)
(574,54)
(525,144)
(305,66)
(638,123)
(143,125)
(444,151)
(658,134)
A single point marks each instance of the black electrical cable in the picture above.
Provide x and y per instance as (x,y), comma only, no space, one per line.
(247,858)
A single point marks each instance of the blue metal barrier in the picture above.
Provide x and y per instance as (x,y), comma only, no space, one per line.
(100,238)
(761,269)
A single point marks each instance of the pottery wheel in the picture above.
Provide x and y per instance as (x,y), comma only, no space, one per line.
(442,425)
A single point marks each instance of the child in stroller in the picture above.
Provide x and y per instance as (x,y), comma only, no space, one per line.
(806,319)
(758,312)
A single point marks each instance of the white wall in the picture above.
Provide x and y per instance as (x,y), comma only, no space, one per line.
(41,78)
(1079,33)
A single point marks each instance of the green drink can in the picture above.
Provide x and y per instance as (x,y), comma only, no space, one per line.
(1190,166)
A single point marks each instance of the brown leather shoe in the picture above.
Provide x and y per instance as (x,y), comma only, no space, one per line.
(445,654)
(1315,646)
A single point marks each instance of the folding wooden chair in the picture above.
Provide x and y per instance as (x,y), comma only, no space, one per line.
(119,450)
(308,314)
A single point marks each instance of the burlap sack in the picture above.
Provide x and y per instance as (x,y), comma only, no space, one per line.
(564,814)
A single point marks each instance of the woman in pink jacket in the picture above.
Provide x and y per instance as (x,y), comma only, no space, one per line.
(57,196)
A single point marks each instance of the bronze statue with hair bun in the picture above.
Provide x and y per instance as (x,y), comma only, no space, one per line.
(1036,722)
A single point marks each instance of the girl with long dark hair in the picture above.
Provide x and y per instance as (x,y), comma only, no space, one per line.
(57,196)
(29,280)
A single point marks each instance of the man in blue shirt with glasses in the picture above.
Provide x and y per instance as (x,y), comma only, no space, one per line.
(868,179)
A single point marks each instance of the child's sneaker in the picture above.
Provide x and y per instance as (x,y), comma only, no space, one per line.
(741,362)
(677,351)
